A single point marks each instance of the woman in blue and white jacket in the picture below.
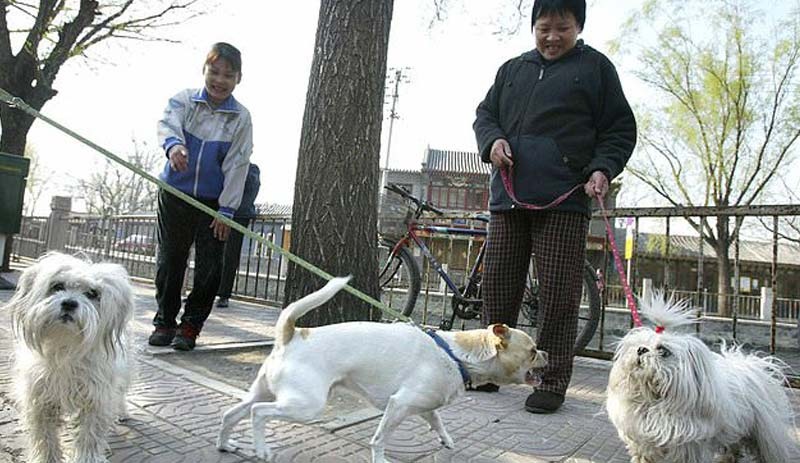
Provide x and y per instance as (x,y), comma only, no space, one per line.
(207,136)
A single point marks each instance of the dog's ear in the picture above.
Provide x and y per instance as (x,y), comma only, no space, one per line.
(703,376)
(116,294)
(502,333)
(20,300)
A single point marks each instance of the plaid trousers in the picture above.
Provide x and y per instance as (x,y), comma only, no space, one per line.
(558,241)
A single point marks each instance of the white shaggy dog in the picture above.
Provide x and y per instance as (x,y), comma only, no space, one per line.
(71,362)
(397,367)
(674,400)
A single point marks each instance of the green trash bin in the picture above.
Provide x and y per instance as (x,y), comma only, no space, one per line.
(13,175)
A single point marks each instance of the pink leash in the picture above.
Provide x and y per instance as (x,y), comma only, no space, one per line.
(637,321)
(506,173)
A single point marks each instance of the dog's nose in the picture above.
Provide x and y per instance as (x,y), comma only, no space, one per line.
(642,350)
(69,305)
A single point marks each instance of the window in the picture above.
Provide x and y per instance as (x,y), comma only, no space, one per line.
(477,199)
(470,199)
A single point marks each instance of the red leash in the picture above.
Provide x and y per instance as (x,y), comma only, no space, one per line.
(626,287)
(509,186)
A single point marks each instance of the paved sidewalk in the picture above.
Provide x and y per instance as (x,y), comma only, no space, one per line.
(485,427)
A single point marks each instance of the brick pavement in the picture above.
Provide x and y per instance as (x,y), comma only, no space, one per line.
(485,427)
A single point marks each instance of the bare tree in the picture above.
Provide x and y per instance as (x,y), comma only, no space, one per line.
(507,18)
(116,190)
(723,115)
(38,177)
(335,210)
(51,32)
(788,226)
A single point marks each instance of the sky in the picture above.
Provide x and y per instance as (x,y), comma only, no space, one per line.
(121,92)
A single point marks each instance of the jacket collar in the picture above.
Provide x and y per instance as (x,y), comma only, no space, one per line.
(536,57)
(230,104)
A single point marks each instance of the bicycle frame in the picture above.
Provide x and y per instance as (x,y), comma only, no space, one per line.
(411,235)
(465,307)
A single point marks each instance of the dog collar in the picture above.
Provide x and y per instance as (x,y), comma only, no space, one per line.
(445,347)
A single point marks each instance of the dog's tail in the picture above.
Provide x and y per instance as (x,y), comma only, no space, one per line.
(667,313)
(284,329)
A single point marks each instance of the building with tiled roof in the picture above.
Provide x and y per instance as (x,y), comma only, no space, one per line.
(455,162)
(457,181)
(685,255)
(275,210)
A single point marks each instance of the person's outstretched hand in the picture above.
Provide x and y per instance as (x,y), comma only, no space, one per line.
(597,186)
(500,154)
(178,158)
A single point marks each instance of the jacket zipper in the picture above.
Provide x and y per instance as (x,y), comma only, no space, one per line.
(525,113)
(197,168)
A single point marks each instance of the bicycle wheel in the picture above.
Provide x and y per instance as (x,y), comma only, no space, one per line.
(399,277)
(589,312)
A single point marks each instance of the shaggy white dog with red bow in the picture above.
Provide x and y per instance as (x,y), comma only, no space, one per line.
(674,400)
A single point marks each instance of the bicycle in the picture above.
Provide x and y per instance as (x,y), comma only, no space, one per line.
(400,273)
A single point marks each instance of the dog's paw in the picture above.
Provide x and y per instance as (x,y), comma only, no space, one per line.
(447,442)
(263,453)
(230,445)
(91,458)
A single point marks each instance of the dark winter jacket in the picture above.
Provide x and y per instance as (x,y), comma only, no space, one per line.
(564,119)
(247,209)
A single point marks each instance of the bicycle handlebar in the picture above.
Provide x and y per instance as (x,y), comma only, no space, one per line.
(421,204)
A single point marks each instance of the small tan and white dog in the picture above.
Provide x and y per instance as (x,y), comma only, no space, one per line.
(397,367)
(71,361)
(674,400)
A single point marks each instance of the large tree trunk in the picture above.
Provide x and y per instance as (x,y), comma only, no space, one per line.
(14,134)
(13,138)
(724,272)
(22,80)
(16,125)
(334,218)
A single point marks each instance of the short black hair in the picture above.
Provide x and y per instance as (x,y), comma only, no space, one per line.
(227,52)
(545,7)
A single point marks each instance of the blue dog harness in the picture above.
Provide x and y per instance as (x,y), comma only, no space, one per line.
(446,347)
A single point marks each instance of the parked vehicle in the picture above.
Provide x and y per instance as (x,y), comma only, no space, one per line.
(139,244)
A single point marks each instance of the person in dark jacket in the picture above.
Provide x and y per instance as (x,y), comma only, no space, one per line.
(555,117)
(233,246)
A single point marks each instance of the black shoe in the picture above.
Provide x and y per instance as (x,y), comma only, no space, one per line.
(543,402)
(185,339)
(222,302)
(488,387)
(161,336)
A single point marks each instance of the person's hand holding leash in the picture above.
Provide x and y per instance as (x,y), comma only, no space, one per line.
(500,154)
(221,231)
(178,158)
(597,186)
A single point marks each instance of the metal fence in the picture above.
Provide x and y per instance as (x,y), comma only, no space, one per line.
(131,241)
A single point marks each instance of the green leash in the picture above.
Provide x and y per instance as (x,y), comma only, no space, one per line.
(18,103)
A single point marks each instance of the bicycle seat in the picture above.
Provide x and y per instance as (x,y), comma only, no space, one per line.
(481,217)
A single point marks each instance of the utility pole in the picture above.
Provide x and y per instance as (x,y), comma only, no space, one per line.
(399,76)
